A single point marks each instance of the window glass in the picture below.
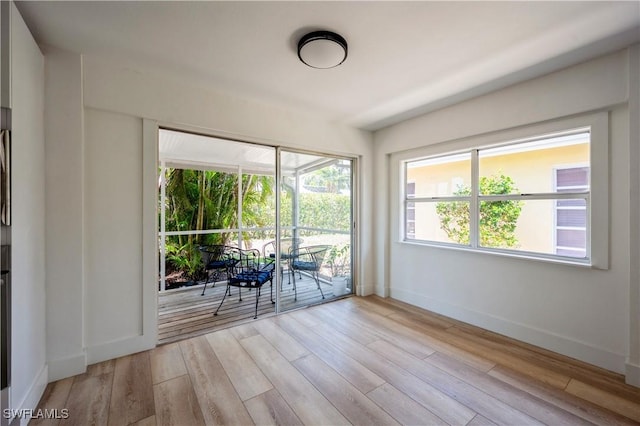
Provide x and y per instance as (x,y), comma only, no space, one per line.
(527,232)
(532,197)
(410,224)
(443,221)
(442,176)
(571,215)
(572,178)
(524,168)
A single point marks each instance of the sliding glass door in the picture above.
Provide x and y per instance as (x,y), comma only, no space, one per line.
(217,198)
(316,223)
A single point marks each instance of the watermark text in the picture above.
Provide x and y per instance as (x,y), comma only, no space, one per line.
(41,413)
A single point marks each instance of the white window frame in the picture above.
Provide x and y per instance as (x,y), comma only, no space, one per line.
(598,196)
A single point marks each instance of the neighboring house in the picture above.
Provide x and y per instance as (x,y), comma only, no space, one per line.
(544,226)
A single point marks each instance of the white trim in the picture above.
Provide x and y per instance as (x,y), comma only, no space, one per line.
(356,202)
(239,206)
(534,130)
(33,395)
(598,214)
(541,257)
(535,336)
(118,348)
(632,374)
(474,206)
(633,337)
(163,226)
(149,234)
(67,367)
(278,194)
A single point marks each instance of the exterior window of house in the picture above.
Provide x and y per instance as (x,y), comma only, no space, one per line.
(571,215)
(410,225)
(509,197)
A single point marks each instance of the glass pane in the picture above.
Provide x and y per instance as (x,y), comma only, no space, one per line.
(572,177)
(316,233)
(531,167)
(288,191)
(572,203)
(189,206)
(257,239)
(325,197)
(259,201)
(411,230)
(445,222)
(572,217)
(411,212)
(440,177)
(533,226)
(574,238)
(411,189)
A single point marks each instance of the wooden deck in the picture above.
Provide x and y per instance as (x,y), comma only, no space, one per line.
(361,361)
(185,313)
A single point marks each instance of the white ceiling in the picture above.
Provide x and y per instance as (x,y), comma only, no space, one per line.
(405,58)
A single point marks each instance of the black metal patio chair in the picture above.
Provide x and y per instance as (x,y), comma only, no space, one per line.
(216,259)
(286,244)
(249,271)
(308,259)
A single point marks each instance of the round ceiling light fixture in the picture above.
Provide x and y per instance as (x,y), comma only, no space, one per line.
(322,49)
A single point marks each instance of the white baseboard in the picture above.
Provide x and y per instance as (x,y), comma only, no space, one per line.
(32,398)
(67,367)
(365,289)
(118,348)
(632,374)
(553,342)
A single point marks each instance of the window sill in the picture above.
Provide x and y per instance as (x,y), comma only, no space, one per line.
(493,252)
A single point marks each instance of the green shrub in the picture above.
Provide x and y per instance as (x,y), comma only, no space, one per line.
(498,219)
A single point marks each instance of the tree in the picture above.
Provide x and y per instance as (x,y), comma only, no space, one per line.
(332,179)
(498,219)
(198,200)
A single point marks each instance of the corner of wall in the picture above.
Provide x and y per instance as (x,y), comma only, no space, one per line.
(67,367)
(64,165)
(632,374)
(33,395)
(633,360)
(380,219)
(28,229)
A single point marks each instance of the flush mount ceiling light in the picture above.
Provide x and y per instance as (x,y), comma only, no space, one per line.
(322,49)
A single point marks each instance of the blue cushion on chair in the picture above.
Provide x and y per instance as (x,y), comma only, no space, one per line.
(251,278)
(304,266)
(217,264)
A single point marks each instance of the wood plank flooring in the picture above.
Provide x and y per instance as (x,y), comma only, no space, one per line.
(363,361)
(185,313)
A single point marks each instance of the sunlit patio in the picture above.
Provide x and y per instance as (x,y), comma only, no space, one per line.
(186,313)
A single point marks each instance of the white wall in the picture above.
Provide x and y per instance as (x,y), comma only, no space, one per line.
(633,359)
(578,311)
(64,219)
(117,171)
(28,349)
(113,223)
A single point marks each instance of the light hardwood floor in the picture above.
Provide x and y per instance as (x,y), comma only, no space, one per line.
(185,313)
(354,361)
